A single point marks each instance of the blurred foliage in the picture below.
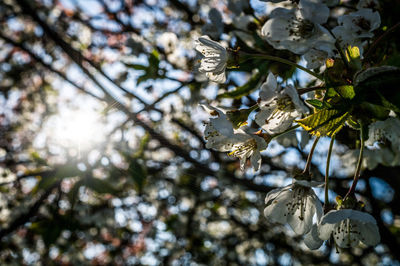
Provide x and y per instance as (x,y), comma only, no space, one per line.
(141,189)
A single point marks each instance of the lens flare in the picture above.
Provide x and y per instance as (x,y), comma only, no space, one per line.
(81,129)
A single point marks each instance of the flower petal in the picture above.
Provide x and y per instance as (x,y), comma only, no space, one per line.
(312,240)
(302,223)
(325,231)
(276,212)
(346,234)
(255,160)
(335,216)
(275,193)
(362,217)
(218,78)
(369,234)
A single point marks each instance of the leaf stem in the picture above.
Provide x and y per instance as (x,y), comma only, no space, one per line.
(380,38)
(310,155)
(283,61)
(342,54)
(252,108)
(359,164)
(305,90)
(328,161)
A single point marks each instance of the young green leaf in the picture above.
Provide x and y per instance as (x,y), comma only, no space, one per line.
(315,103)
(324,122)
(346,91)
(244,90)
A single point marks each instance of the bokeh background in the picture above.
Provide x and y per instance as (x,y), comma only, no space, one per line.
(102,157)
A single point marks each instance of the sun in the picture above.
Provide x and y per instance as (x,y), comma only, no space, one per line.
(80,129)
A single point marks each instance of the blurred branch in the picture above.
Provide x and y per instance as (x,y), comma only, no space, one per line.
(46,65)
(75,55)
(24,218)
(179,151)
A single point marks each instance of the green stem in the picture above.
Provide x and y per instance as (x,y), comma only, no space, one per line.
(283,61)
(359,164)
(328,161)
(252,108)
(310,155)
(342,54)
(286,131)
(305,90)
(375,43)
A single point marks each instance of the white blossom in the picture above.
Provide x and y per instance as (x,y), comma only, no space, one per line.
(178,59)
(388,129)
(347,38)
(312,239)
(241,143)
(387,135)
(168,41)
(348,227)
(315,58)
(373,4)
(279,106)
(298,30)
(215,59)
(361,23)
(295,204)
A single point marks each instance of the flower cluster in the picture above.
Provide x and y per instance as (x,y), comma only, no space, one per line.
(279,107)
(346,92)
(297,205)
(241,143)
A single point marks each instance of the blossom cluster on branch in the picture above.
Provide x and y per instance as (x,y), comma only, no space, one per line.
(351,91)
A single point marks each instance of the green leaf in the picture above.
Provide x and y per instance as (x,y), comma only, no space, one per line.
(388,104)
(151,71)
(36,157)
(142,147)
(346,91)
(246,89)
(315,103)
(51,177)
(138,173)
(73,193)
(99,185)
(143,78)
(351,121)
(50,231)
(385,79)
(136,66)
(330,92)
(45,182)
(375,111)
(324,122)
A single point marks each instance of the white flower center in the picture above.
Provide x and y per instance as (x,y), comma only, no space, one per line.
(285,103)
(363,23)
(348,231)
(244,148)
(301,28)
(299,202)
(283,106)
